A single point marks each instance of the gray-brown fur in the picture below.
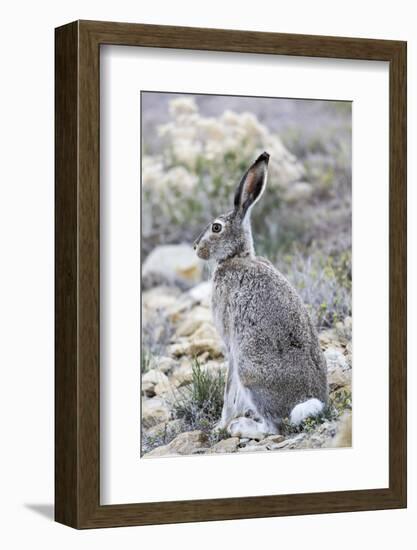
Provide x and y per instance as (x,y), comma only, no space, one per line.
(271,342)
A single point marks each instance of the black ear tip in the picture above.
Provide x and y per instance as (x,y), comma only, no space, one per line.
(263,158)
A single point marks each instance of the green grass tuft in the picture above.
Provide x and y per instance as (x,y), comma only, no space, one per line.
(200,403)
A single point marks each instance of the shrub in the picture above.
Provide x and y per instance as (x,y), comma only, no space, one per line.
(199,404)
(192,178)
(323,282)
(153,439)
(190,172)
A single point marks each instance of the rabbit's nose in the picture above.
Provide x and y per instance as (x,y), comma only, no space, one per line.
(195,245)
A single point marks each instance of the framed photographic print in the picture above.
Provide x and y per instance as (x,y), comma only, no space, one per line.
(230,274)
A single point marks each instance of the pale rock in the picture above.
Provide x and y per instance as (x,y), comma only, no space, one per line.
(148,388)
(335,358)
(164,388)
(289,443)
(229,445)
(196,347)
(164,427)
(155,382)
(183,375)
(201,451)
(158,298)
(200,313)
(206,331)
(154,411)
(338,378)
(344,432)
(188,327)
(276,446)
(165,364)
(186,362)
(154,376)
(174,261)
(325,338)
(184,444)
(201,293)
(252,448)
(181,307)
(272,440)
(294,441)
(203,357)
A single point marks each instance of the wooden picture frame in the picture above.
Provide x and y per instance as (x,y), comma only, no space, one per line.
(77,359)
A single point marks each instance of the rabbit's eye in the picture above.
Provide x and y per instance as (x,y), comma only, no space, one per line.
(216,227)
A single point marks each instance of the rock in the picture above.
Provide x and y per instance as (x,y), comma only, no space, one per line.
(148,389)
(252,448)
(165,364)
(181,307)
(172,426)
(335,358)
(206,331)
(182,376)
(188,327)
(200,313)
(276,446)
(201,451)
(196,347)
(289,443)
(155,382)
(272,440)
(154,377)
(338,378)
(201,293)
(172,262)
(293,442)
(164,388)
(343,436)
(184,444)
(226,445)
(158,298)
(325,338)
(154,411)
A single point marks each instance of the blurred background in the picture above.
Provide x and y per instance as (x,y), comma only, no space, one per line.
(195,149)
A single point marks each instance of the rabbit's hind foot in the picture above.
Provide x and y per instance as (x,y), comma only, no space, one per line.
(247,427)
(311,407)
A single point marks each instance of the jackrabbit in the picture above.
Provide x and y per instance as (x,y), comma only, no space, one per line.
(276,367)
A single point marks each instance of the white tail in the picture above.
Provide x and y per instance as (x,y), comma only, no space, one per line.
(311,407)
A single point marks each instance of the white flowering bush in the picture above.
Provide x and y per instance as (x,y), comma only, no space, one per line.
(200,161)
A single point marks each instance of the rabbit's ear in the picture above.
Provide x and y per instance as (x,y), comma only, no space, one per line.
(252,185)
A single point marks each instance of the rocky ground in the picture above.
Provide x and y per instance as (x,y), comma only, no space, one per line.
(183,377)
